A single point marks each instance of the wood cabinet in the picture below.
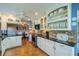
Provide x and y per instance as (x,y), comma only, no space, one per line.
(53,48)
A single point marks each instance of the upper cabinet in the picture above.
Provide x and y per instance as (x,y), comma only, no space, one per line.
(58,19)
(13,21)
(62,18)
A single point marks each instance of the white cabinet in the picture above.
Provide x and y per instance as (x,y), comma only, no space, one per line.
(17,40)
(50,47)
(61,20)
(63,50)
(53,48)
(52,52)
(30,37)
(46,45)
(43,44)
(10,42)
(38,41)
(6,43)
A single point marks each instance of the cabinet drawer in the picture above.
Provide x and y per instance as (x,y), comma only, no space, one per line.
(63,46)
(65,50)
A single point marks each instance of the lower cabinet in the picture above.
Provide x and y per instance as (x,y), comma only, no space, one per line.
(49,47)
(63,50)
(53,48)
(38,42)
(46,45)
(10,42)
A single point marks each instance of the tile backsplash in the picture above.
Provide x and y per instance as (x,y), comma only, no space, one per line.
(71,35)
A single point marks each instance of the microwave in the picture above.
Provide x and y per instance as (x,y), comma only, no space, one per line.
(37,26)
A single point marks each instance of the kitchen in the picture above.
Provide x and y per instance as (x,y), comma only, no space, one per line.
(55,33)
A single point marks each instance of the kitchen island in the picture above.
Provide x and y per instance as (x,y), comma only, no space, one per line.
(55,47)
(10,42)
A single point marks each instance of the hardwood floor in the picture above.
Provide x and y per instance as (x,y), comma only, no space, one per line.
(0,53)
(27,49)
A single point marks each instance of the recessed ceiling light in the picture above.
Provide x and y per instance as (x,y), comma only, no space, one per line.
(36,13)
(29,19)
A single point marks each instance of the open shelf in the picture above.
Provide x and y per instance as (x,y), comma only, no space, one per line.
(59,19)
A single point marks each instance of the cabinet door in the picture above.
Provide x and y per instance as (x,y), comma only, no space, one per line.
(58,49)
(7,43)
(18,40)
(43,44)
(46,45)
(13,42)
(63,50)
(50,47)
(38,42)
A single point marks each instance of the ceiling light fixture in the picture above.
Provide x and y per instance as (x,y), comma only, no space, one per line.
(36,13)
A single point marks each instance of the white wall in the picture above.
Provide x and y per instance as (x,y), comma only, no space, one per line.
(4,19)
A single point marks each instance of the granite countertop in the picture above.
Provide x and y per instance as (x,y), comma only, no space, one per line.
(12,35)
(62,42)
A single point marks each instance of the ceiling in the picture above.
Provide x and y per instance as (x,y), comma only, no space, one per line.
(29,9)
